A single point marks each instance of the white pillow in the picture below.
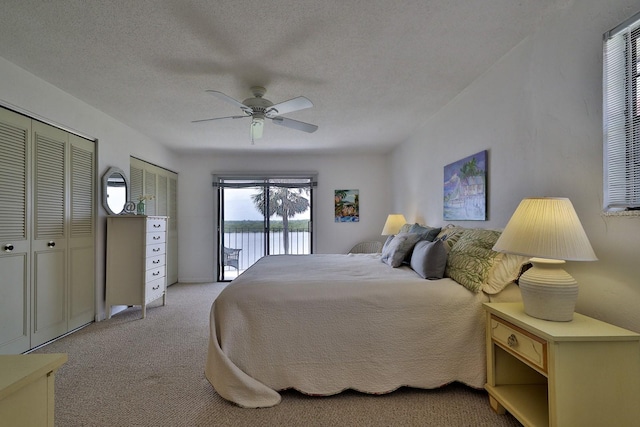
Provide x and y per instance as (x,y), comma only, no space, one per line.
(505,270)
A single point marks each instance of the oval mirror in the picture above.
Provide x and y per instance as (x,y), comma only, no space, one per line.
(115,190)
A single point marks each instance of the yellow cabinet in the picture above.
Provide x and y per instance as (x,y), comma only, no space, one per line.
(579,373)
(27,389)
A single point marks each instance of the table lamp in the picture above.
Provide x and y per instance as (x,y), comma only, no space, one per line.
(547,229)
(393,224)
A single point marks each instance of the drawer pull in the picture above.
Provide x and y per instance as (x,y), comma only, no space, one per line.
(156,288)
(8,247)
(156,261)
(156,249)
(155,273)
(156,237)
(156,225)
(512,341)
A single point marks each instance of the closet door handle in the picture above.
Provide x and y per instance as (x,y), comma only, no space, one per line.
(51,244)
(8,247)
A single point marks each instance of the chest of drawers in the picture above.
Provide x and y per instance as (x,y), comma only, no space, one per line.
(136,260)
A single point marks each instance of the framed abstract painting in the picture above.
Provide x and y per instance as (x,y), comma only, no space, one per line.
(465,189)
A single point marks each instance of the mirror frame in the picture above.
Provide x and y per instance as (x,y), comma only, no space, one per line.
(105,183)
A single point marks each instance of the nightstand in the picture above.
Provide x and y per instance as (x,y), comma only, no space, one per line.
(579,373)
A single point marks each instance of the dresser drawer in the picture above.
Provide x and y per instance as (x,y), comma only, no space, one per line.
(521,343)
(154,273)
(155,261)
(156,225)
(154,290)
(155,250)
(156,237)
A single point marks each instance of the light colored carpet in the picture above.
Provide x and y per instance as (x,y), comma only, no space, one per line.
(131,372)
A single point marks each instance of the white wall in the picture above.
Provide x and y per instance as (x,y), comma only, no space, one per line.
(116,142)
(539,113)
(366,173)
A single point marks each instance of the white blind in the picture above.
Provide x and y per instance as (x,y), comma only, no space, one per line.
(621,116)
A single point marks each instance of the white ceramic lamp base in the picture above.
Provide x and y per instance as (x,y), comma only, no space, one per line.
(548,292)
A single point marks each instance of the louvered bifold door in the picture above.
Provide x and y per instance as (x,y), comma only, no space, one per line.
(136,183)
(81,254)
(15,136)
(172,231)
(48,245)
(150,187)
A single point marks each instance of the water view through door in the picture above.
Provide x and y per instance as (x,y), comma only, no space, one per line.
(262,217)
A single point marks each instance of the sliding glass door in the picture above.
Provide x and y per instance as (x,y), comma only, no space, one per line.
(262,216)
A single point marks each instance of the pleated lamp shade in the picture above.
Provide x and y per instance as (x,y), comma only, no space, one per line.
(393,224)
(548,230)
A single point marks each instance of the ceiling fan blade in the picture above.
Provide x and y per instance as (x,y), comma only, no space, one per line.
(219,118)
(295,104)
(295,124)
(229,99)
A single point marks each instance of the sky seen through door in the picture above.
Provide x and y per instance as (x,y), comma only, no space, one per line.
(240,207)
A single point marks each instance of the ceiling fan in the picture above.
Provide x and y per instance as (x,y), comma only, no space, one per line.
(259,108)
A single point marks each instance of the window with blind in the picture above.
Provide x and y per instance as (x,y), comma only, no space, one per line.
(621,116)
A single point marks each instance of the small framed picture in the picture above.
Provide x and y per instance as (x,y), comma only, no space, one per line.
(347,205)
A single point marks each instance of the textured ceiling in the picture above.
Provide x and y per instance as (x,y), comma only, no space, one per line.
(374,69)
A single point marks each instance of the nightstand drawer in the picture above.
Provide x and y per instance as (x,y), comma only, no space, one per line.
(520,342)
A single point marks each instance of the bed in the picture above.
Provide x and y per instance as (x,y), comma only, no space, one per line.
(325,323)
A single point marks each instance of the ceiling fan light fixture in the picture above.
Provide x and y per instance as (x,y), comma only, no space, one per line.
(257,125)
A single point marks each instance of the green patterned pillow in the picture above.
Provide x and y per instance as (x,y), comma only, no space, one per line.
(471,258)
(450,235)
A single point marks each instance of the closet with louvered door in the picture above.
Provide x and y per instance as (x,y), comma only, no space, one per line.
(172,229)
(49,242)
(81,239)
(15,185)
(47,285)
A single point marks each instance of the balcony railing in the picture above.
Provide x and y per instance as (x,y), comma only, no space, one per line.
(252,244)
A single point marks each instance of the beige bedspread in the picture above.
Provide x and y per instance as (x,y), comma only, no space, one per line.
(325,323)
